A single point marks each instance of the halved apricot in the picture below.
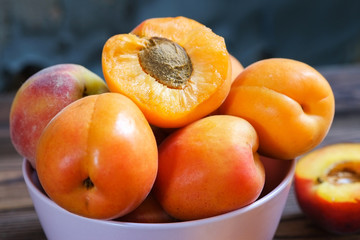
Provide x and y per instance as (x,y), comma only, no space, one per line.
(175,69)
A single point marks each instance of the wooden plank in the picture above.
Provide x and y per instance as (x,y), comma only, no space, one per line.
(20,224)
(299,228)
(13,191)
(5,105)
(6,147)
(345,83)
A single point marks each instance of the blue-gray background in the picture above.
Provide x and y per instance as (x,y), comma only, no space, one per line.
(38,33)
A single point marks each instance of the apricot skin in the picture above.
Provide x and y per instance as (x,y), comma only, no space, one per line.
(236,67)
(98,157)
(336,217)
(208,168)
(289,103)
(149,211)
(42,96)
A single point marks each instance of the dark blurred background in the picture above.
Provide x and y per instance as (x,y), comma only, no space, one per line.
(35,34)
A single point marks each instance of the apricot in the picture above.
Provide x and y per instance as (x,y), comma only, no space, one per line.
(236,67)
(175,69)
(98,157)
(209,167)
(327,187)
(149,211)
(289,103)
(42,96)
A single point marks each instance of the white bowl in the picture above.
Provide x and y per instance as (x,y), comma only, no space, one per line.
(258,220)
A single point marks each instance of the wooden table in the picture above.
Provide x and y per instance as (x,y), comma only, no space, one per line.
(18,219)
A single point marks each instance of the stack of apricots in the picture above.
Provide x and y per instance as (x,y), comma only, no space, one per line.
(174,132)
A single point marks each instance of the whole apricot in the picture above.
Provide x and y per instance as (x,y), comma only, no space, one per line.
(149,211)
(98,157)
(236,67)
(42,96)
(209,167)
(289,103)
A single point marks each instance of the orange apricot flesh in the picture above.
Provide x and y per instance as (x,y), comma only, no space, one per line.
(169,44)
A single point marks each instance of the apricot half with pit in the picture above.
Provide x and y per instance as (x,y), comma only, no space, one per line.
(327,186)
(175,69)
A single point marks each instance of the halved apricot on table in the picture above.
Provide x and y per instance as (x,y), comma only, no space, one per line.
(175,69)
(327,186)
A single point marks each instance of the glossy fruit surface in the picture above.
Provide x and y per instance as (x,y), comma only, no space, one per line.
(42,96)
(208,168)
(289,103)
(236,67)
(149,211)
(98,157)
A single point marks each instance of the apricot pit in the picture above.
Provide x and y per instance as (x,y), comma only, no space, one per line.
(167,62)
(342,173)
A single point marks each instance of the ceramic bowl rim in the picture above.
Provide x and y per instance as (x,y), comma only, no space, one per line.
(26,169)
